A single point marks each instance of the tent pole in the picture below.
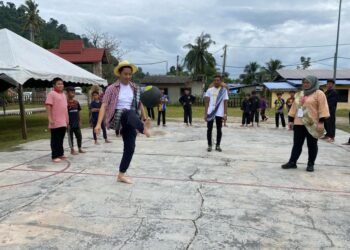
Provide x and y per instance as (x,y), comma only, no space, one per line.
(22,112)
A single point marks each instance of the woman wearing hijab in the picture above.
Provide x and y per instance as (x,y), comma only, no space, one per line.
(121,105)
(308,113)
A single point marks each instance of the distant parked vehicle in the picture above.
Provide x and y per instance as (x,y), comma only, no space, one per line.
(78,90)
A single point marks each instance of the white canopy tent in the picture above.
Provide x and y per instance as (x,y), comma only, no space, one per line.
(22,61)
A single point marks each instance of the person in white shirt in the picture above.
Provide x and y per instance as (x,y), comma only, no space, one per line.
(216,99)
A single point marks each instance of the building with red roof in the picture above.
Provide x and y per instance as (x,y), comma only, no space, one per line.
(75,52)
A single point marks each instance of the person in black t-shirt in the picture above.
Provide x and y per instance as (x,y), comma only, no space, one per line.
(255,105)
(186,101)
(74,121)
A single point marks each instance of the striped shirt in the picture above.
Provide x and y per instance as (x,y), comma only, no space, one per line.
(110,99)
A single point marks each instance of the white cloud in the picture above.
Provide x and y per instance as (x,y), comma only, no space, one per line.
(157,30)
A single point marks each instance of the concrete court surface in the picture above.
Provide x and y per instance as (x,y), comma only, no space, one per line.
(182,198)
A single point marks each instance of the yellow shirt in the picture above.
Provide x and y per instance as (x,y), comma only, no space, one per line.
(316,104)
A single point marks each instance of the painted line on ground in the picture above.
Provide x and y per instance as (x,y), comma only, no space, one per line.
(40,178)
(344,192)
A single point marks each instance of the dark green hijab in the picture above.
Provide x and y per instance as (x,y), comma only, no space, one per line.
(314,85)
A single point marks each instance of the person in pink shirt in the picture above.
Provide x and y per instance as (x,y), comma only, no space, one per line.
(57,112)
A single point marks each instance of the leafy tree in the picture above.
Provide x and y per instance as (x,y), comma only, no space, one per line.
(251,73)
(305,62)
(33,20)
(198,60)
(271,69)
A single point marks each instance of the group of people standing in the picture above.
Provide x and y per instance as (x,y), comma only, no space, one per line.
(120,109)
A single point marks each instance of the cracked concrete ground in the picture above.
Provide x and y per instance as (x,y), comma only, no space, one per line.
(183,197)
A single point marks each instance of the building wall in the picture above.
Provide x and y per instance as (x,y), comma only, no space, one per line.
(342,105)
(285,96)
(174,90)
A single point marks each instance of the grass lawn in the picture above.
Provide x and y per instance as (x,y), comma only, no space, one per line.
(10,126)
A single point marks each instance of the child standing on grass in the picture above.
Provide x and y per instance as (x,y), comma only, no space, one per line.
(74,121)
(95,106)
(279,105)
(246,107)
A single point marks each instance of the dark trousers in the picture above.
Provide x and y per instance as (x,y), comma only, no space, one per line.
(150,113)
(161,114)
(246,118)
(77,133)
(57,138)
(131,123)
(277,116)
(188,114)
(329,125)
(300,133)
(290,119)
(210,124)
(254,114)
(263,115)
(103,127)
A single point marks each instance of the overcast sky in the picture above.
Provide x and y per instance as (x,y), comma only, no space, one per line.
(157,30)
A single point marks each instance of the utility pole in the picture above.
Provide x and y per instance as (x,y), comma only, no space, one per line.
(177,65)
(224,60)
(337,45)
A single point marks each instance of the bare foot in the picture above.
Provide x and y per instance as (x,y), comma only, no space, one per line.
(81,151)
(107,141)
(147,128)
(122,178)
(97,143)
(63,157)
(56,160)
(242,125)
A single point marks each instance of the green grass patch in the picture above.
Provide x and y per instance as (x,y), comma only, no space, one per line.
(343,127)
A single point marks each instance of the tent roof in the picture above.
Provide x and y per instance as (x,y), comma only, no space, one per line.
(22,60)
(319,73)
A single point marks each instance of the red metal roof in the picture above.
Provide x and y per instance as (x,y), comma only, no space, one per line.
(74,52)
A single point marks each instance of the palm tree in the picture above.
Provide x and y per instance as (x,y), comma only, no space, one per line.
(198,59)
(251,73)
(271,68)
(33,20)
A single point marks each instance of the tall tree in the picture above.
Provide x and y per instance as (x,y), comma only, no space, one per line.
(305,62)
(251,73)
(271,68)
(198,59)
(33,20)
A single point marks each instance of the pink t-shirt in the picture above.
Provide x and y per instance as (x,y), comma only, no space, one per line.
(58,102)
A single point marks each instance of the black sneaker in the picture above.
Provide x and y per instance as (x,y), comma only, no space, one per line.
(217,148)
(209,149)
(289,165)
(310,168)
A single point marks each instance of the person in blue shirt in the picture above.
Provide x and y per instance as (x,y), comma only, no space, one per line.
(74,109)
(95,106)
(279,106)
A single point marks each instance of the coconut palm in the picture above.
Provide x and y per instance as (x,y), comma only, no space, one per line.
(251,73)
(198,59)
(271,68)
(33,20)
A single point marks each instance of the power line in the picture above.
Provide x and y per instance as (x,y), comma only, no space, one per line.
(151,63)
(286,47)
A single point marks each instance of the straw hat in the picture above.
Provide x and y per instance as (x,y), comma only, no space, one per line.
(125,63)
